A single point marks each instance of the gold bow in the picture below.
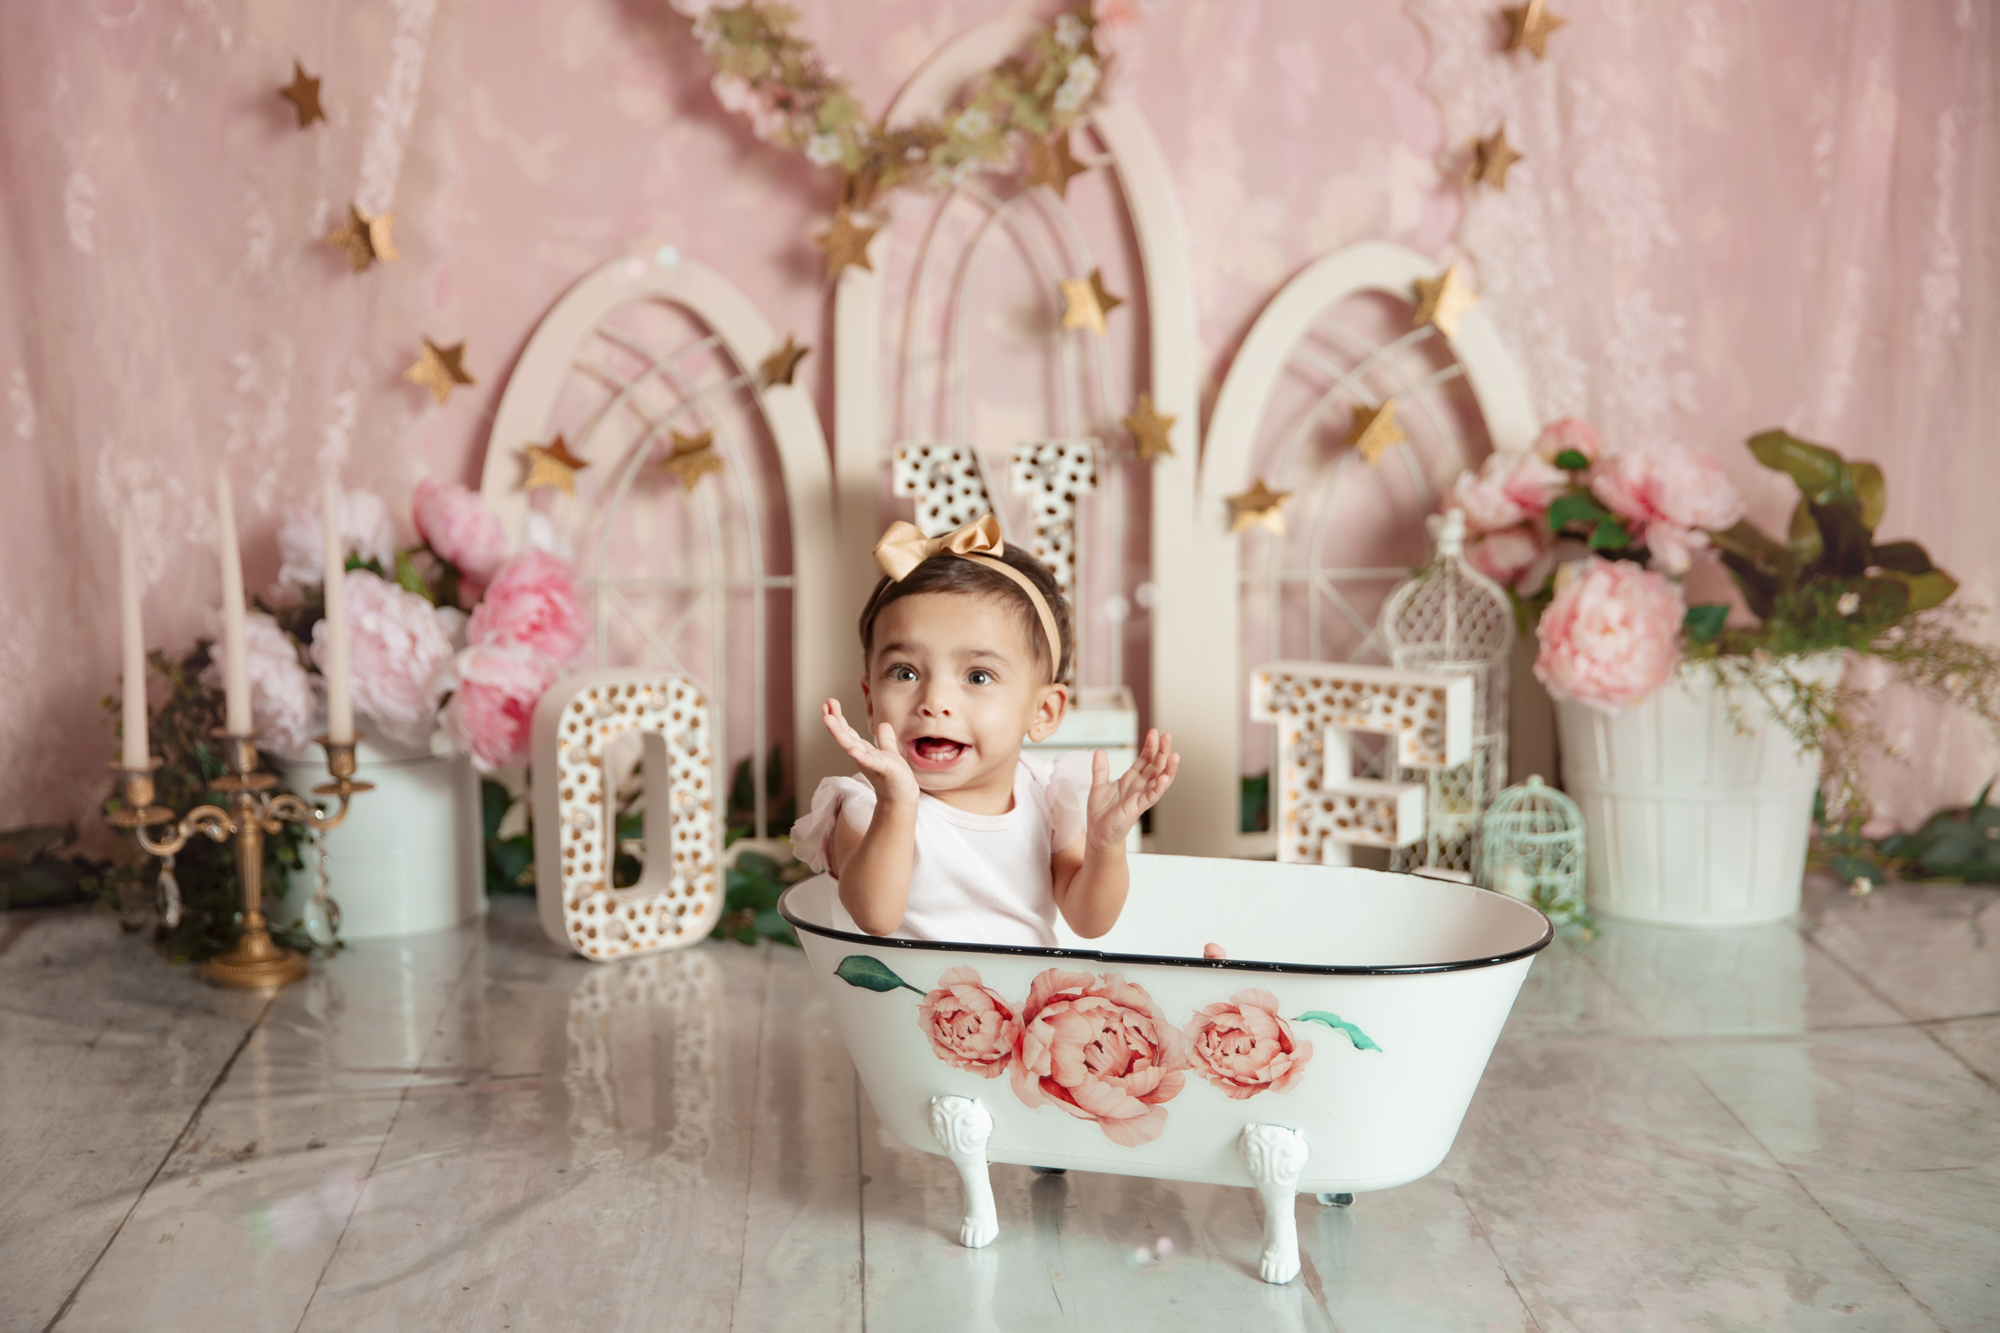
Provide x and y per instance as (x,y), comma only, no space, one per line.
(903,546)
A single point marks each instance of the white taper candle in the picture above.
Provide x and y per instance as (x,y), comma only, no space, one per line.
(235,654)
(339,702)
(134,751)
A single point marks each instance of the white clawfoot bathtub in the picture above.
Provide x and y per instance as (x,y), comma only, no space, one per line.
(1335,1051)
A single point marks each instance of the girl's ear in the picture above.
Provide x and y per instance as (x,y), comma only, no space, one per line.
(867,699)
(1049,712)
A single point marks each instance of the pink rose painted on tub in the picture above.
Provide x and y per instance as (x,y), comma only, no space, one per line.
(969,1026)
(1244,1047)
(1098,1047)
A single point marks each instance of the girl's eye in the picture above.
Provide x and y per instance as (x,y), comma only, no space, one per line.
(979,676)
(902,673)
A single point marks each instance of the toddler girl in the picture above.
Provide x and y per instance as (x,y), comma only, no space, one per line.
(951,833)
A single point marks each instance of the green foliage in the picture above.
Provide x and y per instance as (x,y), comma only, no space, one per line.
(1829,548)
(40,867)
(780,809)
(1957,844)
(1704,622)
(1254,812)
(1579,514)
(750,904)
(1361,1040)
(510,862)
(183,736)
(1569,460)
(860,970)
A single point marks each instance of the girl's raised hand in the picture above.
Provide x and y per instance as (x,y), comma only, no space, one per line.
(1114,807)
(881,763)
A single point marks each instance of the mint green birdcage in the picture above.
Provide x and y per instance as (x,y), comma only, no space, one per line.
(1531,848)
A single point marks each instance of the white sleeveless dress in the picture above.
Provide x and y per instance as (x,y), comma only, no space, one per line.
(976,879)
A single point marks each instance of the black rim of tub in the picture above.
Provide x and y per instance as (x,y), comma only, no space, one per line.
(1158,960)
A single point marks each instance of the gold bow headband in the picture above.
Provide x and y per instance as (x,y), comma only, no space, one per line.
(903,547)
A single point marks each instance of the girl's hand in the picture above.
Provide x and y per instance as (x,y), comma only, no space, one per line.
(1114,807)
(881,763)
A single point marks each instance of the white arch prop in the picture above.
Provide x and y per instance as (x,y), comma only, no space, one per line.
(1205,647)
(678,896)
(860,423)
(527,409)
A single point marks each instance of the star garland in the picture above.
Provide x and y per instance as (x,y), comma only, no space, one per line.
(440,369)
(553,465)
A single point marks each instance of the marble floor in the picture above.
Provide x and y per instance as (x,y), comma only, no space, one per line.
(1795,1127)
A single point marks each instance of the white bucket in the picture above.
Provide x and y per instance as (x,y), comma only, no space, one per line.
(409,856)
(1697,805)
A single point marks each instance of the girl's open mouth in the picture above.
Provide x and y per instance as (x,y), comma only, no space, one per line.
(935,752)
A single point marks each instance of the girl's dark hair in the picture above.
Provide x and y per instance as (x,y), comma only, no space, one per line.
(955,574)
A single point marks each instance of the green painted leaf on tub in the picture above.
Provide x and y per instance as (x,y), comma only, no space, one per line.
(1362,1041)
(860,970)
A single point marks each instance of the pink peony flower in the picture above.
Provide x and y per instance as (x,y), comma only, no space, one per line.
(532,604)
(456,524)
(1507,554)
(1668,495)
(1099,1048)
(364,528)
(1246,1047)
(281,690)
(1611,635)
(969,1026)
(1570,434)
(396,651)
(494,692)
(1509,488)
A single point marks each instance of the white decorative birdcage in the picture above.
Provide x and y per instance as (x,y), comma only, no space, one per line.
(1453,620)
(1531,848)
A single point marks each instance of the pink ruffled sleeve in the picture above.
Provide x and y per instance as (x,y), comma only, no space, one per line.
(812,836)
(1066,780)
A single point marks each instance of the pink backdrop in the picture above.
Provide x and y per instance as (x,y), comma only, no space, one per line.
(1731,215)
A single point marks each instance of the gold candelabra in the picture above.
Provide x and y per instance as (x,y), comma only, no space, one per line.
(256,961)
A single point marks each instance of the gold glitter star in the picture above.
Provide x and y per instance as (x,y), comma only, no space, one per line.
(1374,430)
(1088,303)
(1442,301)
(1490,159)
(303,93)
(439,369)
(1529,26)
(845,242)
(553,465)
(366,239)
(1260,505)
(1050,163)
(693,458)
(777,368)
(1149,430)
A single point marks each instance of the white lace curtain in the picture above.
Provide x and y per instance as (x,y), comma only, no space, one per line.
(1736,214)
(1733,213)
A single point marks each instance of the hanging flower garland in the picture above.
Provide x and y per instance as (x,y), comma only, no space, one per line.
(794,99)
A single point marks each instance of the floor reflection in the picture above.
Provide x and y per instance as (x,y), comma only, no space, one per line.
(640,1068)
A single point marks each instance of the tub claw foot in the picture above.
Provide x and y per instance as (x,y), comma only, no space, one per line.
(962,1127)
(1276,1158)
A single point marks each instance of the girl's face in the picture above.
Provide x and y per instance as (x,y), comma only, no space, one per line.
(957,678)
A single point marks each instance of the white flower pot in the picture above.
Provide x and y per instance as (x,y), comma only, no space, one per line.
(1697,804)
(409,857)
